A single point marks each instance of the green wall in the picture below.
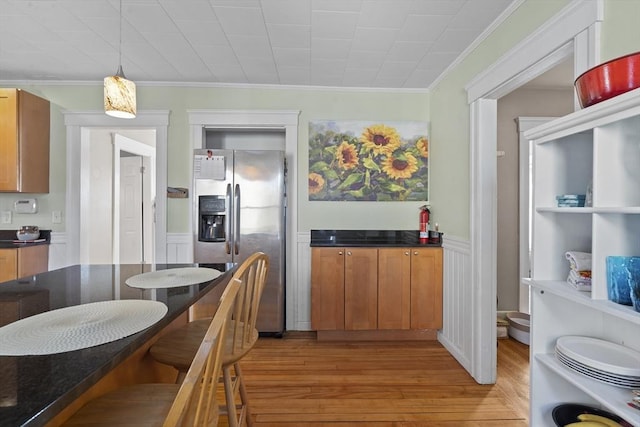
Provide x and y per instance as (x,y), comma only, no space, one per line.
(450,110)
(445,107)
(312,104)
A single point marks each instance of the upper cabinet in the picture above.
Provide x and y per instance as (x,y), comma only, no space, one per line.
(24,142)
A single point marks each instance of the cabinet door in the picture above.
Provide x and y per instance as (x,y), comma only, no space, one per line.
(8,264)
(327,288)
(24,142)
(426,288)
(361,289)
(8,140)
(33,260)
(394,288)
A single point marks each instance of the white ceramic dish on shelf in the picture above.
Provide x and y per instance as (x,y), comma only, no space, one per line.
(601,355)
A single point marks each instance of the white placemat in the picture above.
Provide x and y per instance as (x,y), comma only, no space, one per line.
(172,277)
(79,326)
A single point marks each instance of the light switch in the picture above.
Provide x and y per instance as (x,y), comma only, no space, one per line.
(5,217)
(56,217)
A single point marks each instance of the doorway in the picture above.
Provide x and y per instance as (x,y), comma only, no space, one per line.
(79,131)
(134,196)
(574,30)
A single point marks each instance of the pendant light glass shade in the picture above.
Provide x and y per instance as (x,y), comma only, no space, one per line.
(119,96)
(120,93)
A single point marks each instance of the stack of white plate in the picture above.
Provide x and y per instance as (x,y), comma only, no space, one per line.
(601,360)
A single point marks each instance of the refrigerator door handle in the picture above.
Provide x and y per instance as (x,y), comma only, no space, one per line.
(236,208)
(227,225)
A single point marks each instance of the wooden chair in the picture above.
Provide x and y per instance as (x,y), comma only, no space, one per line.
(178,348)
(192,403)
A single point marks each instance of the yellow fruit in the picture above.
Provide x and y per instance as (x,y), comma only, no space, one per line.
(599,419)
(585,424)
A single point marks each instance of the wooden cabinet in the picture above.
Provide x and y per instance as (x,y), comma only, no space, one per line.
(357,289)
(327,288)
(23,262)
(24,142)
(426,288)
(394,288)
(360,289)
(596,146)
(8,264)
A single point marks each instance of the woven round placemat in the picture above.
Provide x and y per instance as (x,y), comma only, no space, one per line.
(172,277)
(79,326)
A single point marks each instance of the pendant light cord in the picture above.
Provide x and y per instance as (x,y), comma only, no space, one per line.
(120,41)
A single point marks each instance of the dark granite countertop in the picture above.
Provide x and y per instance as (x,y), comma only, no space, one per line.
(8,237)
(33,389)
(370,238)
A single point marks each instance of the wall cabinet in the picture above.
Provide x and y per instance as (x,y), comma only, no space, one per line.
(23,262)
(24,142)
(376,288)
(598,146)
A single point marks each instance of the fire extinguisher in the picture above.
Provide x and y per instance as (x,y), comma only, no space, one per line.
(424,224)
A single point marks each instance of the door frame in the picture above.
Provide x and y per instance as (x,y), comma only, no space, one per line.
(265,119)
(79,124)
(574,30)
(148,153)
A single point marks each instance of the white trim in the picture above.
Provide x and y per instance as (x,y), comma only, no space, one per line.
(549,44)
(256,119)
(529,58)
(483,217)
(77,123)
(251,86)
(486,33)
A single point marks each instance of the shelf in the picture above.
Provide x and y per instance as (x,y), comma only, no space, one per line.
(630,210)
(565,290)
(612,398)
(565,210)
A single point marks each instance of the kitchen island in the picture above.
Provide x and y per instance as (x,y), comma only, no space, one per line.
(43,390)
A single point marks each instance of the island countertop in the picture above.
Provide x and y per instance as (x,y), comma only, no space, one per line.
(33,389)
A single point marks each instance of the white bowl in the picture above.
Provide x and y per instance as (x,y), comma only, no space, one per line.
(28,236)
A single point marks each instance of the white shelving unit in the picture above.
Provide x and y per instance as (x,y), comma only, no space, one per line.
(598,145)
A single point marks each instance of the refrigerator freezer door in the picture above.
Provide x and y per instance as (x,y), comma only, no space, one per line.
(261,178)
(212,252)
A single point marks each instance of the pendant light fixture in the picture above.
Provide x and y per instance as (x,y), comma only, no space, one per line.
(120,93)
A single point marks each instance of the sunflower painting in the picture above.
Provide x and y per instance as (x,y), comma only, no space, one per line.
(369,161)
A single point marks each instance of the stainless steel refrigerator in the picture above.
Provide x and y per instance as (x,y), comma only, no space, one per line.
(239,201)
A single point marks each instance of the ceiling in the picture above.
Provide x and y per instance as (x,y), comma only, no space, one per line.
(339,43)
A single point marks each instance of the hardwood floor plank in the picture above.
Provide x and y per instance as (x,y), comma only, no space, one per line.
(297,381)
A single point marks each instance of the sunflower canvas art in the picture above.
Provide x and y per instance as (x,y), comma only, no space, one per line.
(368,161)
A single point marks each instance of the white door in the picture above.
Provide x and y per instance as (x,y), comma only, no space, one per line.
(131,233)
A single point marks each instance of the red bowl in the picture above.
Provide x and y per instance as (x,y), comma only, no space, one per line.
(608,79)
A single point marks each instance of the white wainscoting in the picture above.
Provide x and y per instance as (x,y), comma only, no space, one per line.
(179,248)
(299,305)
(456,335)
(58,251)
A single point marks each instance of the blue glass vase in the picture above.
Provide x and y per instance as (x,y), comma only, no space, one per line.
(618,278)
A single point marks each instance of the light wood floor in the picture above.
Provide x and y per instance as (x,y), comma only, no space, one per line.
(297,381)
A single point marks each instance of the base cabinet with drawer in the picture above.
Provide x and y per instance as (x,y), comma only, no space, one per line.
(359,288)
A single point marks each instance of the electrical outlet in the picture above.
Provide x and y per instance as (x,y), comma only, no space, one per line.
(5,217)
(56,217)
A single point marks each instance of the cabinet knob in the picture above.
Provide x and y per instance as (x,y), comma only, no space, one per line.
(415,253)
(406,253)
(339,252)
(348,253)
